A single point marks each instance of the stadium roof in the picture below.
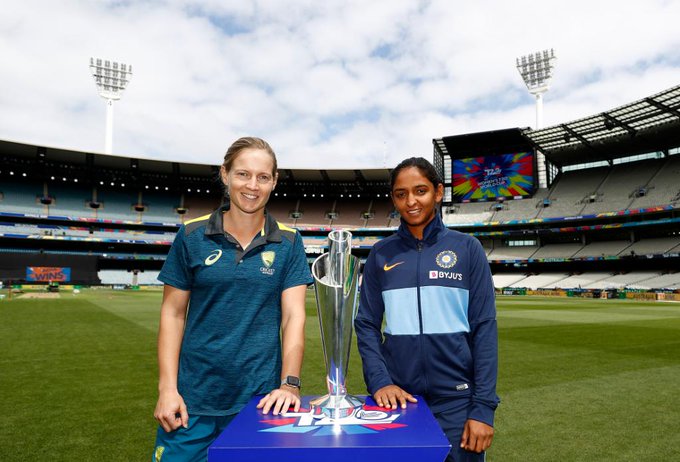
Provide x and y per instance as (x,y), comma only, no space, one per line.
(648,125)
(42,162)
(483,143)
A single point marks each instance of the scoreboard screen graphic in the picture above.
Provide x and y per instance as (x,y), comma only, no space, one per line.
(490,177)
(48,274)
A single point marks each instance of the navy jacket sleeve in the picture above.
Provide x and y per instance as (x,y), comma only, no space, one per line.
(368,325)
(484,337)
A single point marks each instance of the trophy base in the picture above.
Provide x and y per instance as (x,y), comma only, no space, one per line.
(337,407)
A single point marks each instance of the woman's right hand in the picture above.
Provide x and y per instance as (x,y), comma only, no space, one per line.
(391,396)
(171,412)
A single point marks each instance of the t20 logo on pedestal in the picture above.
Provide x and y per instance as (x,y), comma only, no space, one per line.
(368,419)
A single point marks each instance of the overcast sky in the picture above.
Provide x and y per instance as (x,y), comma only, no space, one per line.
(330,84)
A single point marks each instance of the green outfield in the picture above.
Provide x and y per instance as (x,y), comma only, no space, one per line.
(580,380)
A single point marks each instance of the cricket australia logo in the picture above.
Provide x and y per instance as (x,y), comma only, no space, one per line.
(369,419)
(213,257)
(446,259)
(268,260)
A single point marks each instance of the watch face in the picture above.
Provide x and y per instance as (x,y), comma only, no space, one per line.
(292,381)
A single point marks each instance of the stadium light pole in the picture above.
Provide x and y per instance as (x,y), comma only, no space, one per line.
(536,70)
(111,79)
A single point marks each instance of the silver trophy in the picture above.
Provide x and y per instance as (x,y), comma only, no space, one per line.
(336,276)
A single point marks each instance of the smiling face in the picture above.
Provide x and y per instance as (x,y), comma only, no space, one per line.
(250,180)
(415,197)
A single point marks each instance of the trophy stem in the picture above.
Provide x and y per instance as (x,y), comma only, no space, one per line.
(337,406)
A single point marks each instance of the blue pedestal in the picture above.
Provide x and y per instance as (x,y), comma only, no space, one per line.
(373,433)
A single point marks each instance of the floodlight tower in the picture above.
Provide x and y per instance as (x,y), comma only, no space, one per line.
(536,70)
(111,79)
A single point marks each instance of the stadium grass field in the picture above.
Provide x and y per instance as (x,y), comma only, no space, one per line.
(580,380)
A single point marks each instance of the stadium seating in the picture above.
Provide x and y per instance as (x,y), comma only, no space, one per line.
(654,246)
(507,280)
(523,209)
(569,193)
(619,281)
(283,209)
(581,281)
(659,281)
(81,232)
(617,190)
(645,280)
(616,239)
(22,197)
(70,200)
(349,214)
(473,212)
(381,210)
(540,281)
(113,277)
(663,188)
(604,248)
(159,207)
(198,206)
(117,205)
(314,213)
(557,250)
(512,253)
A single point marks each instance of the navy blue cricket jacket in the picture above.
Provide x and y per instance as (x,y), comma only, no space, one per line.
(440,338)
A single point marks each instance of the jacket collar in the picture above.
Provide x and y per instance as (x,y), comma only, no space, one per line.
(270,232)
(430,233)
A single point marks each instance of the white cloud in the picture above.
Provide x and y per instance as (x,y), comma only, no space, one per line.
(333,84)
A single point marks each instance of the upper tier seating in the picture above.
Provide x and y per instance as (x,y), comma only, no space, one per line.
(198,206)
(70,200)
(314,213)
(349,214)
(567,195)
(616,191)
(663,188)
(381,209)
(21,197)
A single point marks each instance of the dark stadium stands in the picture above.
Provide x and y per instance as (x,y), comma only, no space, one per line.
(284,209)
(314,213)
(350,214)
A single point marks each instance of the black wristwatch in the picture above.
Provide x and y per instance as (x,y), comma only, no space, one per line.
(291,381)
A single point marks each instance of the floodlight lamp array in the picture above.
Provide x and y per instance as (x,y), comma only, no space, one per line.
(110,77)
(536,70)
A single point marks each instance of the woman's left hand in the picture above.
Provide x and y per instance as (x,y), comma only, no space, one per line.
(477,436)
(280,400)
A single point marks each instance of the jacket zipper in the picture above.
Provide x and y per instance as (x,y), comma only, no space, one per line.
(423,361)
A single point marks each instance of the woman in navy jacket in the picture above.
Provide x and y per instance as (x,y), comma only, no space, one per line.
(432,286)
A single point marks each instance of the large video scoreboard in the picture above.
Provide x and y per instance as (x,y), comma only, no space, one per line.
(486,178)
(486,166)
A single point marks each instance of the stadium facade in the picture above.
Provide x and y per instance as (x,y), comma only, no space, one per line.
(608,220)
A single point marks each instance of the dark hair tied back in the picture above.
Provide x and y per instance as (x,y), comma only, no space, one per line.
(422,164)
